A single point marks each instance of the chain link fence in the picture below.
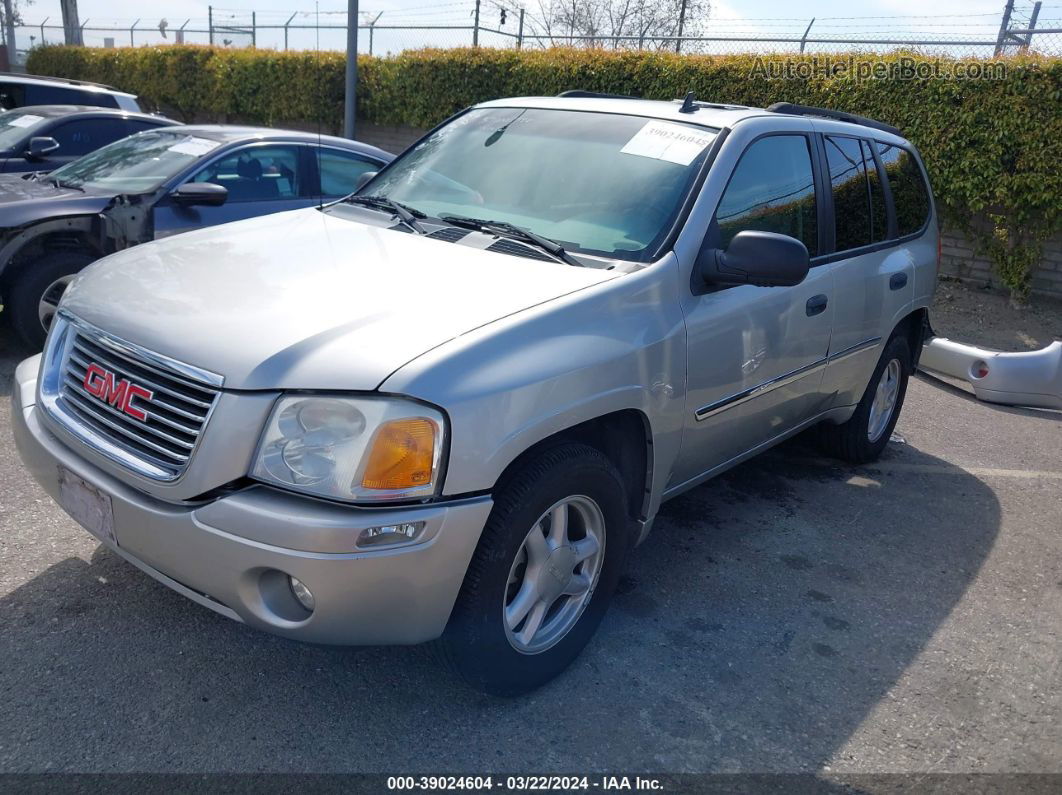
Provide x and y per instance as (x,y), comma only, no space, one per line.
(1032,28)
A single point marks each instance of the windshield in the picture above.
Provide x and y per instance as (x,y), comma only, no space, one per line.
(15,125)
(604,184)
(137,164)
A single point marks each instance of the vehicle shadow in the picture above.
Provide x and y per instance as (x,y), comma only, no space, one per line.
(967,394)
(771,610)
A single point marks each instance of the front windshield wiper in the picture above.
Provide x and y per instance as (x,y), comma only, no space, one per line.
(60,184)
(407,215)
(505,229)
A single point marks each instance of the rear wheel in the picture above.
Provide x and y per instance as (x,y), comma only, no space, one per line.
(543,573)
(863,437)
(34,295)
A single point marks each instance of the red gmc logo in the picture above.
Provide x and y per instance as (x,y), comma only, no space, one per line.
(101,383)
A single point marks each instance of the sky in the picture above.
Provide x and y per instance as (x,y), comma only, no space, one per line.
(872,18)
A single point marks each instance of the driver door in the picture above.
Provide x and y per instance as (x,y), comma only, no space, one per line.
(756,355)
(261,179)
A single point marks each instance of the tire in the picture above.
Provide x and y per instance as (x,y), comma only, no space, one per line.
(856,441)
(478,643)
(28,290)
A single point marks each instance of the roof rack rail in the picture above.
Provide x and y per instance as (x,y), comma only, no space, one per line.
(67,80)
(578,93)
(839,115)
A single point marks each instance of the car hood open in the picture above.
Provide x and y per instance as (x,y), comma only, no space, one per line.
(306,300)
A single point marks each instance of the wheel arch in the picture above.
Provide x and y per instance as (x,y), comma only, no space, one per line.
(624,436)
(914,326)
(77,233)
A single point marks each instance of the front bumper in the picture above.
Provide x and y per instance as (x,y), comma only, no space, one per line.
(226,554)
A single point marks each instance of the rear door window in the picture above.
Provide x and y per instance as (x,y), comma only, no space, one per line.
(81,136)
(771,190)
(340,170)
(879,213)
(910,195)
(851,193)
(12,95)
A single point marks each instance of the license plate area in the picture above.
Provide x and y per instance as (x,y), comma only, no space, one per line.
(87,506)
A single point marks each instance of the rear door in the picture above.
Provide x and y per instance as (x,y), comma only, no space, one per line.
(874,276)
(261,179)
(756,354)
(338,170)
(77,138)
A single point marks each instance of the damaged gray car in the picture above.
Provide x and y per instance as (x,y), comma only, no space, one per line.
(152,185)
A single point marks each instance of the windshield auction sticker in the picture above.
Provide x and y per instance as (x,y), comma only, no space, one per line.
(25,121)
(194,146)
(675,143)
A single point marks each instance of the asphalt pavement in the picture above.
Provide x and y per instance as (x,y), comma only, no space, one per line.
(794,615)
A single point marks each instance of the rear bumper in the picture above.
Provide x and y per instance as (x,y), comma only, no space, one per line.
(227,554)
(1027,378)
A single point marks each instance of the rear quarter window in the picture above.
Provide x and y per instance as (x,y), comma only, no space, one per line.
(61,95)
(910,194)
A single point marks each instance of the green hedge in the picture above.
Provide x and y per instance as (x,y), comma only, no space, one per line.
(992,146)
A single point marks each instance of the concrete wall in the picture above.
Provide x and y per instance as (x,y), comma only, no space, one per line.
(958,258)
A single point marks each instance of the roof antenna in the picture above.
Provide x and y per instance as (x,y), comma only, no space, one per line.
(689,104)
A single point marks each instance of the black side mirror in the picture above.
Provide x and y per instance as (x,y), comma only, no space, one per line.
(363,179)
(765,259)
(40,146)
(202,194)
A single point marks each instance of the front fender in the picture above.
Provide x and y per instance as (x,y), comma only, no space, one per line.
(87,224)
(511,384)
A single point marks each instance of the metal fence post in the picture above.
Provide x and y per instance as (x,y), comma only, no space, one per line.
(210,23)
(520,32)
(804,38)
(372,29)
(286,29)
(1032,26)
(475,27)
(179,35)
(350,92)
(1003,27)
(132,43)
(43,42)
(83,32)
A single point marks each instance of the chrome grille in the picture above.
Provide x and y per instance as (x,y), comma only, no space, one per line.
(175,414)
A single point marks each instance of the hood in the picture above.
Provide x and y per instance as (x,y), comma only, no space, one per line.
(306,300)
(23,201)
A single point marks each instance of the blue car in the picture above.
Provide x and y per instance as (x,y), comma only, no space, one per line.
(152,185)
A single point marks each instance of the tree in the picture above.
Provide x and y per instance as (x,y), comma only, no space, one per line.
(9,17)
(635,24)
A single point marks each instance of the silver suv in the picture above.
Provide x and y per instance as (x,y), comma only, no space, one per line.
(449,406)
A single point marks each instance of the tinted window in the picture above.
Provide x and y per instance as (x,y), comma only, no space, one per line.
(61,95)
(12,95)
(879,214)
(910,196)
(256,173)
(772,190)
(851,194)
(81,136)
(340,171)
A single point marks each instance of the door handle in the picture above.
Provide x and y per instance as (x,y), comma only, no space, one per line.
(816,305)
(897,281)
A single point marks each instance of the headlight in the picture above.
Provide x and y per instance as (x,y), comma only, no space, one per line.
(366,448)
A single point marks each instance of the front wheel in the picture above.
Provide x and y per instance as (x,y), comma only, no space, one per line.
(543,573)
(863,437)
(34,295)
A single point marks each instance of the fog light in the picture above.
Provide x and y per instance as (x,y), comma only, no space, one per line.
(387,534)
(302,593)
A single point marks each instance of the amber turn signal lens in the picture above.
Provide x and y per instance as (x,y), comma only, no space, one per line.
(402,455)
